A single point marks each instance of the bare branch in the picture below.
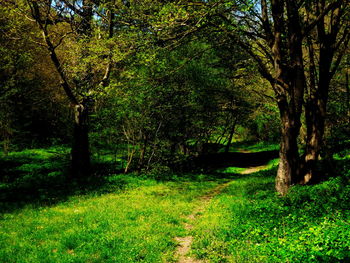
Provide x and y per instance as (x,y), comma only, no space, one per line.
(73,8)
(340,56)
(266,22)
(326,10)
(62,38)
(105,78)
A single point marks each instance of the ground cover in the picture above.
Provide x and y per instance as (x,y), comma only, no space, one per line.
(136,224)
(230,215)
(248,222)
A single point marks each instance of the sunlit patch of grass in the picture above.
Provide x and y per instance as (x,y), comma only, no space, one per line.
(238,170)
(272,164)
(38,154)
(248,222)
(345,155)
(263,146)
(231,170)
(254,146)
(134,225)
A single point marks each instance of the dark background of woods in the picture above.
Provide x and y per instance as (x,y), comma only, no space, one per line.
(158,83)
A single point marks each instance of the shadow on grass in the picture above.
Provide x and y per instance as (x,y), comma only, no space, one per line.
(31,179)
(40,182)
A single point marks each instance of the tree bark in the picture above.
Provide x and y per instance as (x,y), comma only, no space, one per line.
(288,168)
(316,108)
(315,112)
(80,154)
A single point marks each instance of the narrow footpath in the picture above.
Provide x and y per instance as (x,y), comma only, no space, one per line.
(184,247)
(185,243)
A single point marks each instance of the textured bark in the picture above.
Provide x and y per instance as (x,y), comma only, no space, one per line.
(315,112)
(80,153)
(288,168)
(289,89)
(329,41)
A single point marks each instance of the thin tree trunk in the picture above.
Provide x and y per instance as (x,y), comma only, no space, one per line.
(130,158)
(347,87)
(232,132)
(6,145)
(142,153)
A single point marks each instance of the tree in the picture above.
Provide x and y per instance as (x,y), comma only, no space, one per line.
(27,87)
(326,44)
(273,33)
(61,20)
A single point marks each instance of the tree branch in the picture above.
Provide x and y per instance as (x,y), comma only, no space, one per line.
(326,10)
(73,8)
(105,78)
(340,56)
(65,85)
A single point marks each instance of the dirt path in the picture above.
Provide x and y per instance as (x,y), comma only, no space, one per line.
(253,169)
(185,243)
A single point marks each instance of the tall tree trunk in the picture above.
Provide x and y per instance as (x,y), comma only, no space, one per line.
(288,167)
(332,43)
(315,112)
(316,109)
(80,154)
(80,148)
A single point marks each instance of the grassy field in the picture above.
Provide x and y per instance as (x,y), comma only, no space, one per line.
(136,224)
(134,218)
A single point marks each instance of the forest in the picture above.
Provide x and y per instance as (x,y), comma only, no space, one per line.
(190,131)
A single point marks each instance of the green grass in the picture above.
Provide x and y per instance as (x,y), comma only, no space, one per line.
(136,224)
(134,218)
(231,170)
(248,222)
(254,147)
(39,176)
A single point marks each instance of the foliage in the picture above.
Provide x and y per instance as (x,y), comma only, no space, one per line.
(26,88)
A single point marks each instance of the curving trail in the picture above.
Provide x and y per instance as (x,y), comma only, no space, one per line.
(184,243)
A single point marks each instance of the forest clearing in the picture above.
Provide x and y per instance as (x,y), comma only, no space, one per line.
(189,131)
(228,216)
